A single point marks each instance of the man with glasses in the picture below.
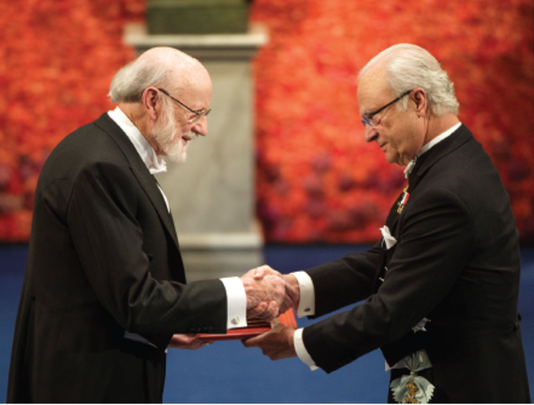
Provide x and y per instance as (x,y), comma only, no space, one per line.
(441,286)
(104,291)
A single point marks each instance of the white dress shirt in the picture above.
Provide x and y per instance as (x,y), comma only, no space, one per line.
(235,292)
(307,291)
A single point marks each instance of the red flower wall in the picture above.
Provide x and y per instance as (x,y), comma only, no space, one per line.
(317,180)
(57,58)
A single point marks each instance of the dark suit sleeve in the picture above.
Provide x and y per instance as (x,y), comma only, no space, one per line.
(344,281)
(104,214)
(437,239)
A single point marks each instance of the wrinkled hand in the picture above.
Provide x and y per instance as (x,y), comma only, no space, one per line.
(292,281)
(268,294)
(190,342)
(277,343)
(288,278)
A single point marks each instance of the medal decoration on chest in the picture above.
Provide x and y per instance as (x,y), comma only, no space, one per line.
(413,388)
(404,199)
(401,204)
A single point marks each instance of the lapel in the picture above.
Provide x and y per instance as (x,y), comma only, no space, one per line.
(445,147)
(424,163)
(140,171)
(393,215)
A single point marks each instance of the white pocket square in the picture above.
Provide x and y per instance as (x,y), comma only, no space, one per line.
(390,240)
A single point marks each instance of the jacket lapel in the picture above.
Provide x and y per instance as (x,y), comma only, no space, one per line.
(393,215)
(443,148)
(424,162)
(140,171)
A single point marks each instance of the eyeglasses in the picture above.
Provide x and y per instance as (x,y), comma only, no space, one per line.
(199,113)
(366,119)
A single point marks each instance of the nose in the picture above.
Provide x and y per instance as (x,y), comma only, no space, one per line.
(201,127)
(370,133)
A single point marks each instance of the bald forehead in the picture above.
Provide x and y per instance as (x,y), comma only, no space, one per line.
(167,55)
(184,70)
(374,76)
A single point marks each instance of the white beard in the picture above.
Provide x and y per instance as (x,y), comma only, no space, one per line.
(175,149)
(170,142)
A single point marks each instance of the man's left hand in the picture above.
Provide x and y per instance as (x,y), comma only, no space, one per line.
(190,342)
(277,343)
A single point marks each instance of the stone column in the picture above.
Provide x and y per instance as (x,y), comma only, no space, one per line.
(212,194)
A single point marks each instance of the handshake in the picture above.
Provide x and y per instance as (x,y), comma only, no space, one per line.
(269,293)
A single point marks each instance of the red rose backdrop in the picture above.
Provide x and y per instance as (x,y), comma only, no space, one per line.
(317,180)
(57,58)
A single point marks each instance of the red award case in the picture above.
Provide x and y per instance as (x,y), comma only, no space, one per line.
(254,328)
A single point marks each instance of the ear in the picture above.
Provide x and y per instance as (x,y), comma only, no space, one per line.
(149,101)
(421,102)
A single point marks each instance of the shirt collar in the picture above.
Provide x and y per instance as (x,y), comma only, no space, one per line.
(438,139)
(154,163)
(429,145)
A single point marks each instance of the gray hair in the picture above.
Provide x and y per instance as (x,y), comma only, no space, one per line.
(131,80)
(408,67)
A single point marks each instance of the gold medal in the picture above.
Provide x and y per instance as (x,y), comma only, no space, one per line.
(411,391)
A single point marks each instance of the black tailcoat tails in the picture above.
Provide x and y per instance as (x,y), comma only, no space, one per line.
(456,263)
(103,259)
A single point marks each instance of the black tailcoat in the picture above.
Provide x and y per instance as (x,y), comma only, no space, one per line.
(103,259)
(456,263)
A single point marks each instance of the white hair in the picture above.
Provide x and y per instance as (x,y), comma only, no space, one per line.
(131,80)
(408,67)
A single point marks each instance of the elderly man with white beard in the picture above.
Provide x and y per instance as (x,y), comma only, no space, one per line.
(104,291)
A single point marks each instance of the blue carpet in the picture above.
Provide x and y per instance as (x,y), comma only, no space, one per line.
(226,372)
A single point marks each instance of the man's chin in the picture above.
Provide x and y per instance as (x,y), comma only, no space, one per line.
(176,152)
(178,156)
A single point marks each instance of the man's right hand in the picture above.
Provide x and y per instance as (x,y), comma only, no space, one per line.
(268,294)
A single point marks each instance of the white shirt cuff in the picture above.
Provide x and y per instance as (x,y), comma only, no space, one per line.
(301,350)
(237,302)
(307,294)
